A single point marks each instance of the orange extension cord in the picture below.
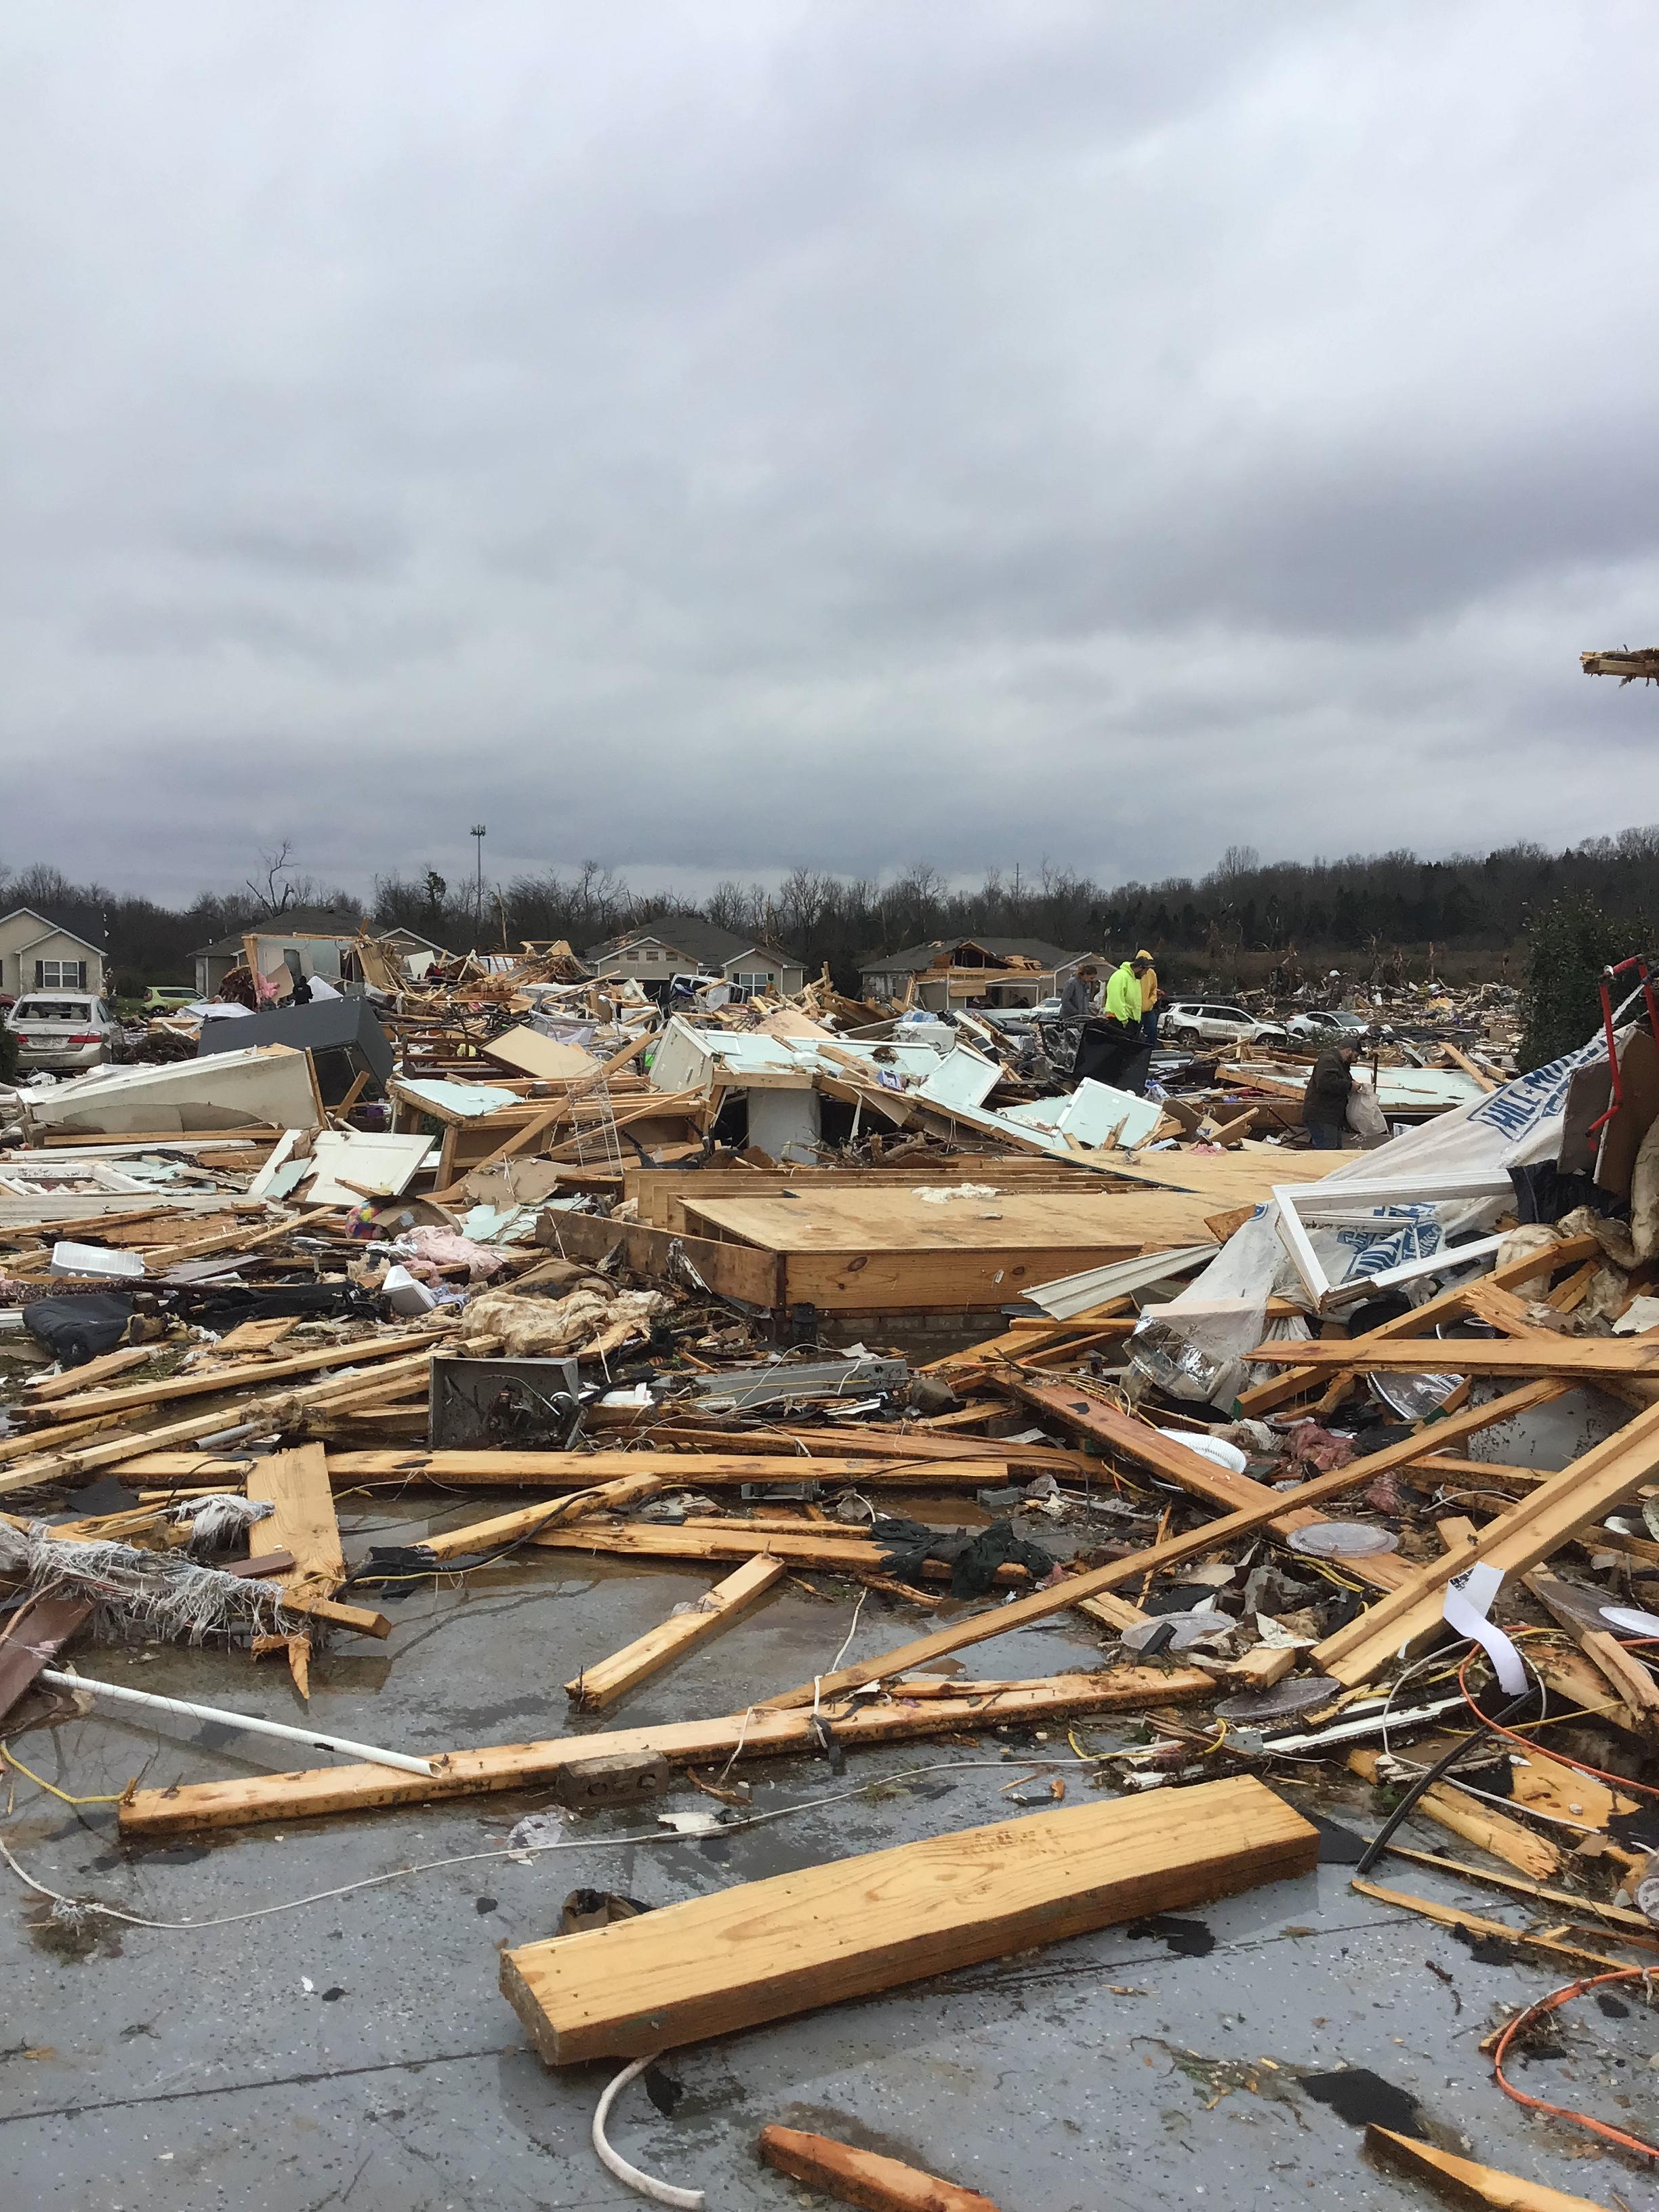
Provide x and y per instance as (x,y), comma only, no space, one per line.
(1550,2003)
(1562,1996)
(1619,1781)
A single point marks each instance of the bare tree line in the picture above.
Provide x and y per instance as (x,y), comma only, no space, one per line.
(1389,914)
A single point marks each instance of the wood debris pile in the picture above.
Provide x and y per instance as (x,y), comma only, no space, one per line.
(911,1346)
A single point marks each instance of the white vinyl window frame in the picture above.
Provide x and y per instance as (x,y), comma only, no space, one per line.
(60,974)
(1296,1201)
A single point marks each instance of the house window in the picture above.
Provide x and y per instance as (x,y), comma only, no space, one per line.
(652,954)
(60,974)
(757,980)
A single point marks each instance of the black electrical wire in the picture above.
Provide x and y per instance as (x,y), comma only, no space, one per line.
(1443,1764)
(404,1564)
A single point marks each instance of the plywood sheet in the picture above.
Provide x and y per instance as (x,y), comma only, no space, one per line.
(533,1053)
(1241,1178)
(1120,1223)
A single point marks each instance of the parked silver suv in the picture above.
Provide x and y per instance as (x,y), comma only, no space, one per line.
(63,1031)
(1195,1022)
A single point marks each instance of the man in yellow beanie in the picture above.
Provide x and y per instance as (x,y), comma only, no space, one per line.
(1148,1000)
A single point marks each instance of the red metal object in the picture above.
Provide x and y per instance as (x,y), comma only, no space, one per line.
(1610,976)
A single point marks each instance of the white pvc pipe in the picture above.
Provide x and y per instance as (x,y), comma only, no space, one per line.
(660,2192)
(309,1737)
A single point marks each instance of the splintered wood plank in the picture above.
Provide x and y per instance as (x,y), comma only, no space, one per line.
(1573,1358)
(763,1950)
(256,1336)
(88,1377)
(1632,1681)
(507,1528)
(1464,2180)
(596,1687)
(863,2177)
(1445,1305)
(1410,1617)
(199,1382)
(1477,1823)
(296,1483)
(320,1790)
(828,1548)
(1171,1553)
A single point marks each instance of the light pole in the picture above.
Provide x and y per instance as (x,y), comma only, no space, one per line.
(477,833)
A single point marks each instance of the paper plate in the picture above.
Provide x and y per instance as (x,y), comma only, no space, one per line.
(1342,1539)
(1632,1621)
(1283,1701)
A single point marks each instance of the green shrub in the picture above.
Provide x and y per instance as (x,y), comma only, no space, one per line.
(1569,943)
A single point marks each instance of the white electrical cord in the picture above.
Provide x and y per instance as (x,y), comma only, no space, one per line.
(660,2192)
(835,1664)
(523,1853)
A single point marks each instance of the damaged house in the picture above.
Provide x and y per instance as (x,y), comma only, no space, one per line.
(684,944)
(959,971)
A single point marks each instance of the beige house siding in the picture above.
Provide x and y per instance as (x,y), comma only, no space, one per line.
(26,941)
(654,959)
(648,958)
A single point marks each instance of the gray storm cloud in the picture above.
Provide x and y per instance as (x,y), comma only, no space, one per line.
(712,438)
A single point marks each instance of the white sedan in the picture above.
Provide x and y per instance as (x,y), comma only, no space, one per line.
(64,1031)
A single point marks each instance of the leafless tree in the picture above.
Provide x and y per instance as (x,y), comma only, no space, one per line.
(280,889)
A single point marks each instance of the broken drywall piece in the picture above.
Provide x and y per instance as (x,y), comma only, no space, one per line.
(270,1084)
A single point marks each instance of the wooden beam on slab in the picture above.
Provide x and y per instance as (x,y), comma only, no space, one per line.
(830,1550)
(863,2177)
(1473,1923)
(1410,1618)
(1574,1359)
(840,1438)
(1618,1918)
(295,1485)
(597,1687)
(252,1375)
(359,1620)
(323,1790)
(554,1471)
(762,1951)
(1171,1553)
(575,1505)
(1446,1305)
(93,1374)
(1463,2180)
(1092,1416)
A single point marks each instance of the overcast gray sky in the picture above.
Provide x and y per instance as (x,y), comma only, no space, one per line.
(714,436)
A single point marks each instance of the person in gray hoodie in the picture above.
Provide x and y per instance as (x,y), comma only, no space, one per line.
(1325,1101)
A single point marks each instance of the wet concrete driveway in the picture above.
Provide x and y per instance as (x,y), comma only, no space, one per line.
(356,2053)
